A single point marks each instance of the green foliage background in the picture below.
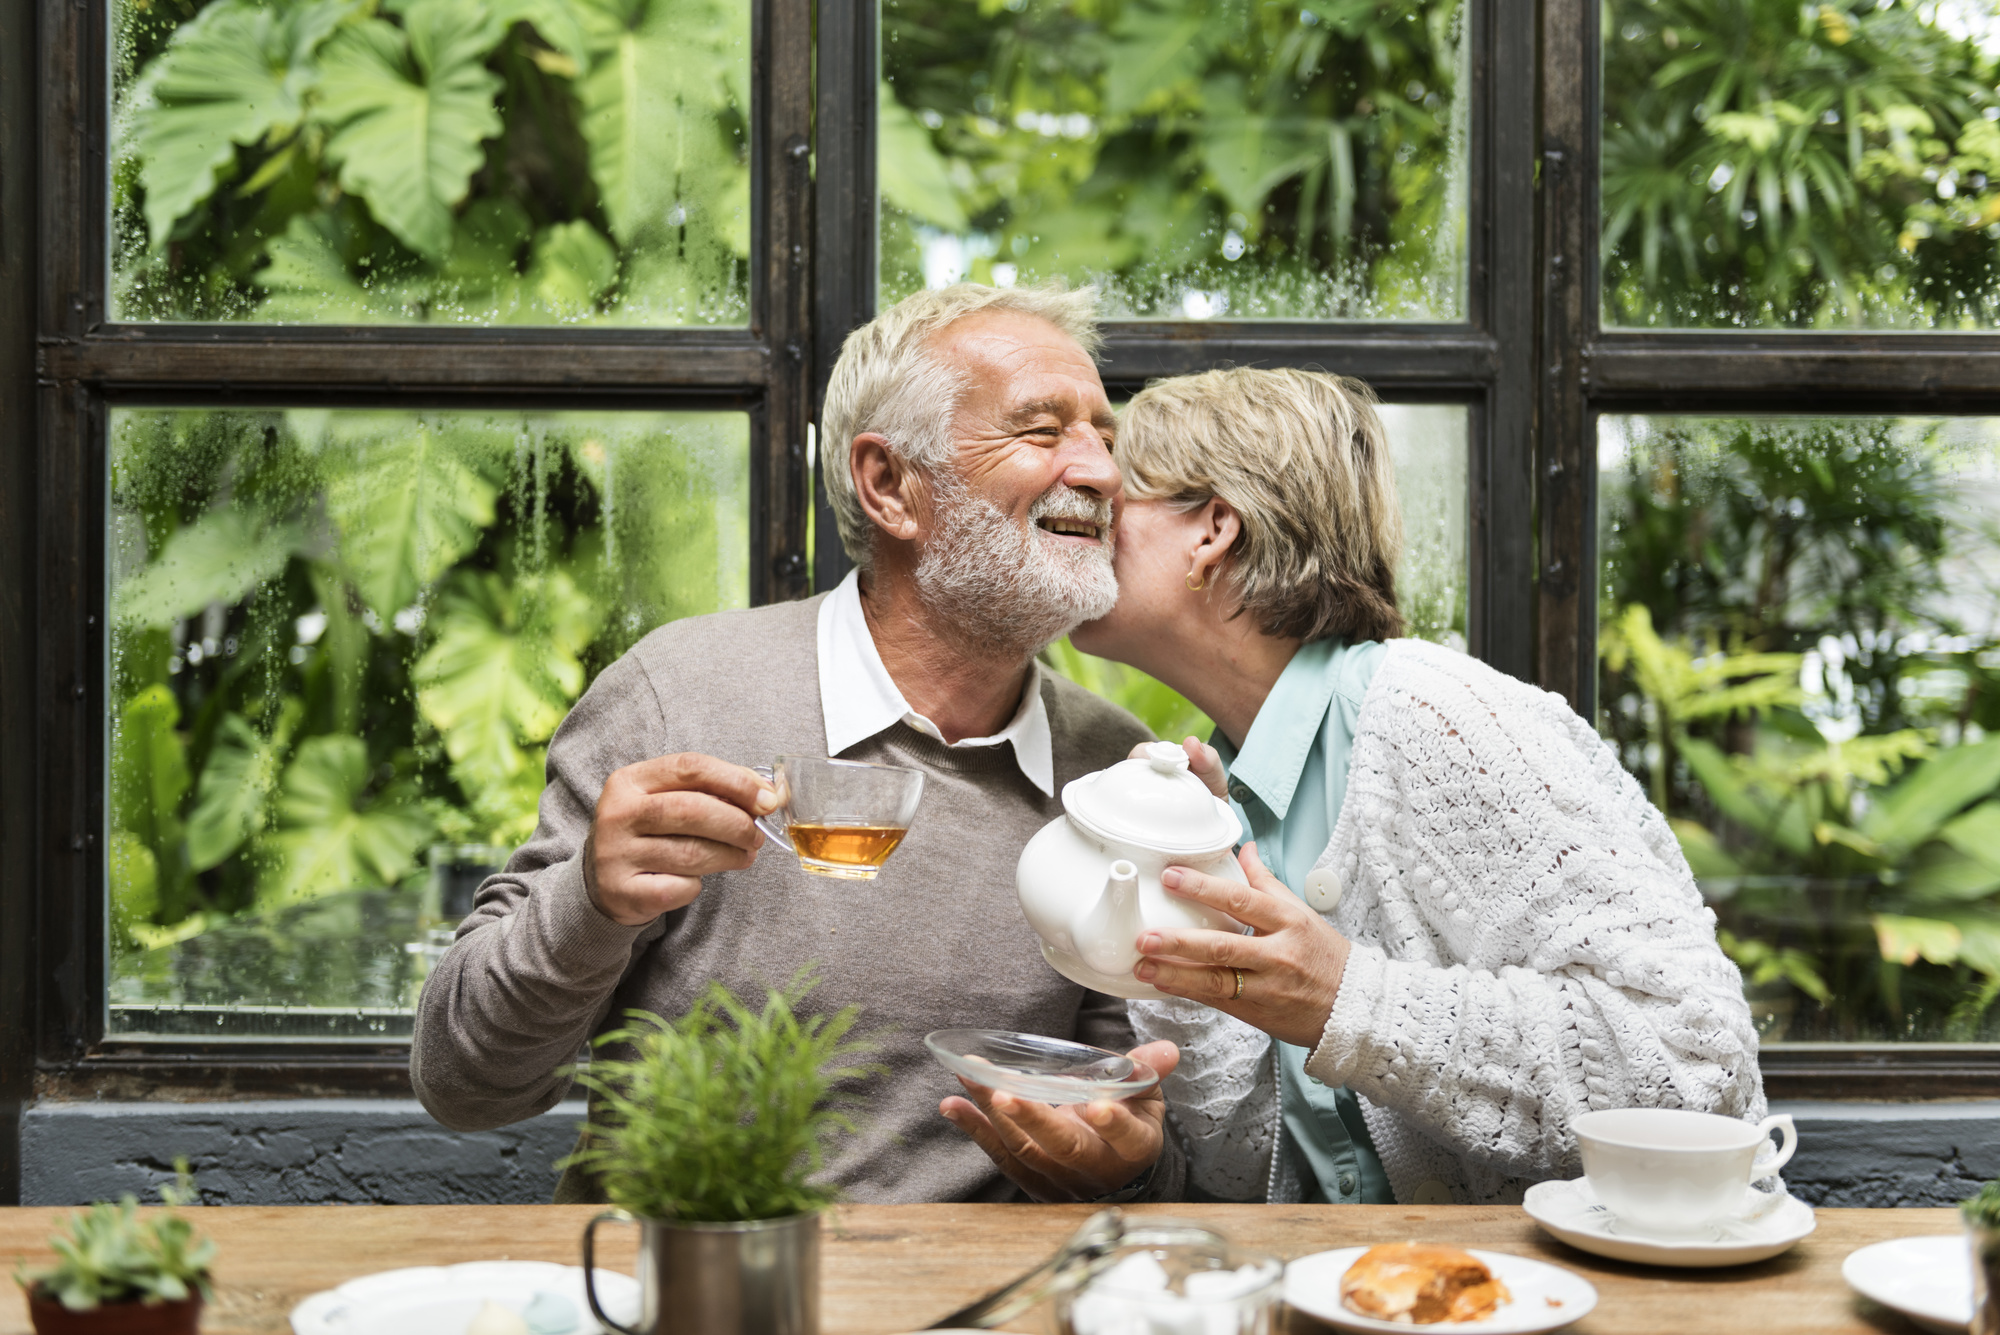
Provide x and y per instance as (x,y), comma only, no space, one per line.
(340,635)
(472,161)
(1298,160)
(1802,656)
(1808,166)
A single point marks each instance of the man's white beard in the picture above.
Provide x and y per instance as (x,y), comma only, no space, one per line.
(998,584)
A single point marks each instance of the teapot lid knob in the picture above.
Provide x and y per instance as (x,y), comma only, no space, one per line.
(1167,757)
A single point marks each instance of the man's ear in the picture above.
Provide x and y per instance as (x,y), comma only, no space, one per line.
(1221,528)
(889,490)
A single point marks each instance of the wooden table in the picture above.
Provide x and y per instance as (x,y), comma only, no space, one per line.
(891,1268)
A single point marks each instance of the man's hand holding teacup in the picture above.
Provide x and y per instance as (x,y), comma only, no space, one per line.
(665,823)
(1077,1152)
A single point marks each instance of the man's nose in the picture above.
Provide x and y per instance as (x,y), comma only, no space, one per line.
(1088,465)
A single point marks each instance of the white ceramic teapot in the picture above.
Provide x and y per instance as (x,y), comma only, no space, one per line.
(1089,881)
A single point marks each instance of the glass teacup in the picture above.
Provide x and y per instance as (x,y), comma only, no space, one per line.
(840,817)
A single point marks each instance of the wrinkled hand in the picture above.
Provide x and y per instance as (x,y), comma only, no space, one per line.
(1076,1152)
(1291,967)
(1203,760)
(662,825)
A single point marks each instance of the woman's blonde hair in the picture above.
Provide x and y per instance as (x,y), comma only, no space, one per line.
(1302,458)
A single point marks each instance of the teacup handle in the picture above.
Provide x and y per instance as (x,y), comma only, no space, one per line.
(590,1267)
(777,825)
(1788,1142)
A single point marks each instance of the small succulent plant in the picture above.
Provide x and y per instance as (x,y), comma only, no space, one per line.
(111,1255)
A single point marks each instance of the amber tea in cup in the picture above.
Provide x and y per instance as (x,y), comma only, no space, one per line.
(842,818)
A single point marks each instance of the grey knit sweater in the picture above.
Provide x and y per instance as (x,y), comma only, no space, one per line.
(936,941)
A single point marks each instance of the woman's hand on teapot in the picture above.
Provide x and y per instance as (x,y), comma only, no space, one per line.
(1204,762)
(1291,968)
(1077,1152)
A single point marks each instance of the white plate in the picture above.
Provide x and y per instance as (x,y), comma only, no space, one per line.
(1928,1280)
(1571,1211)
(1545,1297)
(441,1300)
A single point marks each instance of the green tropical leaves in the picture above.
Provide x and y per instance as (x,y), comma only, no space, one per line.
(1297,160)
(217,559)
(235,74)
(331,836)
(236,786)
(503,670)
(408,110)
(328,160)
(408,508)
(1771,163)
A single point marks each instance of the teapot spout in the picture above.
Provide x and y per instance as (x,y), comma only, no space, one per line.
(1106,932)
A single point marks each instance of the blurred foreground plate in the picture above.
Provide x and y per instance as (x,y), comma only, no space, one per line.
(1928,1280)
(1545,1297)
(442,1300)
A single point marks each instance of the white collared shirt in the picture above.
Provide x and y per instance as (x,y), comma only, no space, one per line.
(860,699)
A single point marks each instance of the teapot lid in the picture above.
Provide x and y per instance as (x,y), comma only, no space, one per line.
(1153,801)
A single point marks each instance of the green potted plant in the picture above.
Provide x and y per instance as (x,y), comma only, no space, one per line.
(708,1136)
(118,1273)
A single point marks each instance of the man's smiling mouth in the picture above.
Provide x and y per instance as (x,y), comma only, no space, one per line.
(1081,528)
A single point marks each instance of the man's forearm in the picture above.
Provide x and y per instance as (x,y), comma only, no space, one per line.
(513,1000)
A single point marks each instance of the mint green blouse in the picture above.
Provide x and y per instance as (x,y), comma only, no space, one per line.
(1286,785)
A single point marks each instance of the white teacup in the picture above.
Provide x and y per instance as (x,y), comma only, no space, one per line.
(1667,1171)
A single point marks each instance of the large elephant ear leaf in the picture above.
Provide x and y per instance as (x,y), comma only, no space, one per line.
(233,74)
(503,670)
(409,110)
(408,507)
(659,81)
(236,783)
(330,839)
(914,176)
(219,558)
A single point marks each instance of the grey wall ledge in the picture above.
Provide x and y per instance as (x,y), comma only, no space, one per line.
(1886,1154)
(389,1151)
(289,1152)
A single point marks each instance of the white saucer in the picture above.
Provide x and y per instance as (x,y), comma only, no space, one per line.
(1570,1211)
(1545,1297)
(1928,1280)
(426,1300)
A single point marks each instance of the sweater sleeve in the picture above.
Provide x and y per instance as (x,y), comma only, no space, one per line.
(533,970)
(1531,943)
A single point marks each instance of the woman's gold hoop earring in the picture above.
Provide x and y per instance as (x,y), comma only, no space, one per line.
(1196,585)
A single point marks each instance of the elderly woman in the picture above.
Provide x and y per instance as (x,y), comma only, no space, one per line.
(1509,935)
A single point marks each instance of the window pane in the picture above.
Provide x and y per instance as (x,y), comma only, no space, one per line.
(1428,443)
(451,161)
(341,642)
(1767,165)
(1801,663)
(1250,160)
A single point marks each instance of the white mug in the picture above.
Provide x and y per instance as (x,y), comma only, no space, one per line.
(1667,1171)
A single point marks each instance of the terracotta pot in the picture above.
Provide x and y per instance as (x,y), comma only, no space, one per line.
(52,1318)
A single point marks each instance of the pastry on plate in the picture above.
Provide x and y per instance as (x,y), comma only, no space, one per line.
(1420,1283)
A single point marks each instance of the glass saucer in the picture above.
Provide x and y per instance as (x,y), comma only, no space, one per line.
(1030,1066)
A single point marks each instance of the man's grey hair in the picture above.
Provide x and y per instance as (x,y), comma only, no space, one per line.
(888,382)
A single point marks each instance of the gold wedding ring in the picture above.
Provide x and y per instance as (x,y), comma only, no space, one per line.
(1237,995)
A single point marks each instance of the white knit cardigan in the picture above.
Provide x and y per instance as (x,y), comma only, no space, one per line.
(1529,945)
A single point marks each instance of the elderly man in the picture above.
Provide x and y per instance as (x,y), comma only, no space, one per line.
(968,458)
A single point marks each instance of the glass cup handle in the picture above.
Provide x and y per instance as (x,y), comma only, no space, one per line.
(777,824)
(590,1267)
(1788,1142)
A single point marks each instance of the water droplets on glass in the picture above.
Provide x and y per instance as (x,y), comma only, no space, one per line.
(342,639)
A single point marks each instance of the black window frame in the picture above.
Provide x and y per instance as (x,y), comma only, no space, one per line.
(1530,361)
